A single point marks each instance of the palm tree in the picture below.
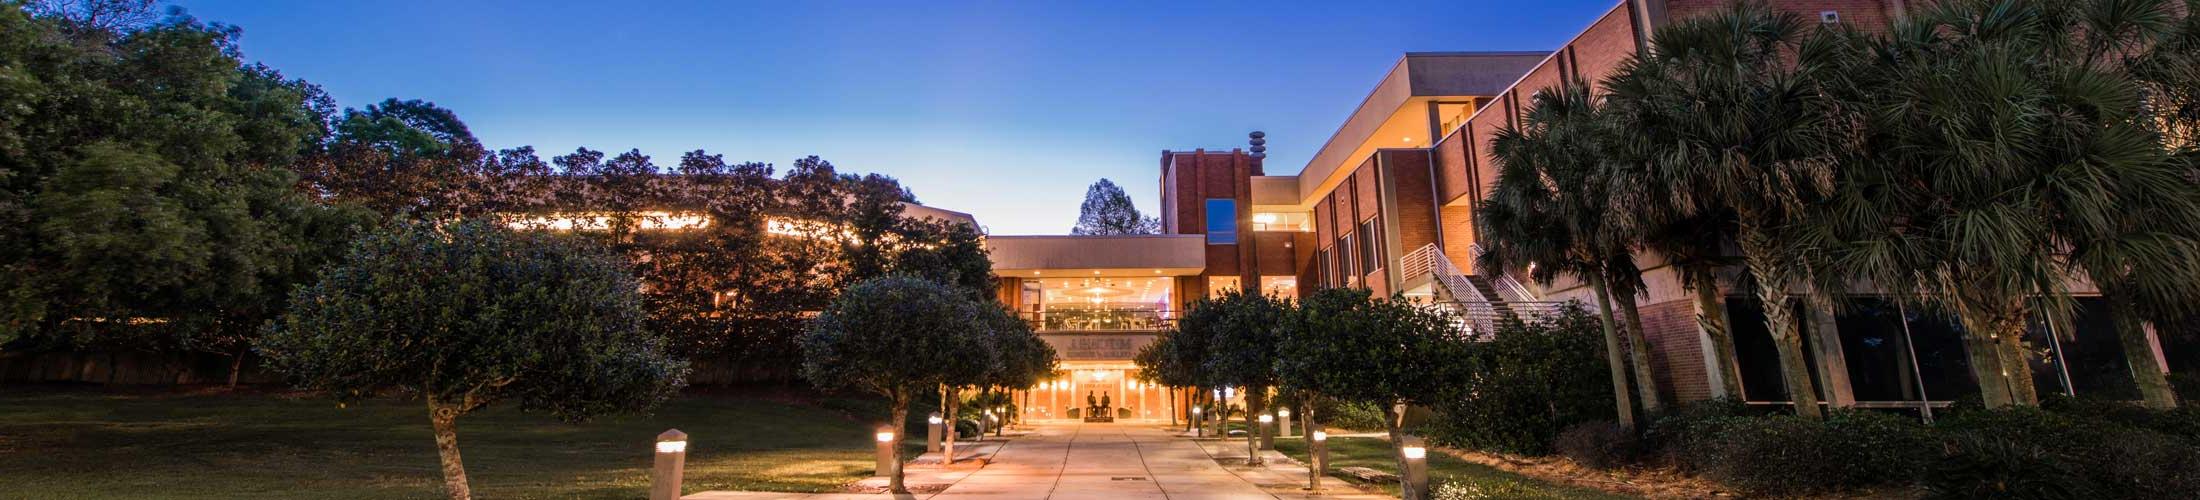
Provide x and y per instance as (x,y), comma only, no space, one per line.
(2009,156)
(1548,212)
(1727,120)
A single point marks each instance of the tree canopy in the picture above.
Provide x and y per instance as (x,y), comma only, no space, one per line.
(470,314)
(1108,211)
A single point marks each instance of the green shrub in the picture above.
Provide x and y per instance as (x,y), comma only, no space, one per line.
(1681,438)
(1494,489)
(1352,416)
(1525,384)
(1979,464)
(2102,455)
(1599,445)
(1783,455)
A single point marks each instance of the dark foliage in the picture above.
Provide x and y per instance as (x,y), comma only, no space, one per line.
(1526,383)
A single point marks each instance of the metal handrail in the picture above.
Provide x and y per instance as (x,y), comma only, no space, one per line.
(1504,279)
(1088,320)
(1479,314)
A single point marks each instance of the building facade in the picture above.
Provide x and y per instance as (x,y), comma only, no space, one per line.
(1387,204)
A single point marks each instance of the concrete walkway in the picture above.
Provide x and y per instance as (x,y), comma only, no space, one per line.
(1093,461)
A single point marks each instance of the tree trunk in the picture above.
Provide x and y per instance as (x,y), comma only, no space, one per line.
(1394,416)
(1780,320)
(1613,356)
(1984,353)
(1638,348)
(948,401)
(1254,398)
(1711,316)
(900,415)
(236,364)
(1316,464)
(2016,361)
(444,418)
(2139,353)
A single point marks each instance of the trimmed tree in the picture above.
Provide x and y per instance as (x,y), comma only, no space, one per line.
(470,314)
(1241,351)
(1354,348)
(894,336)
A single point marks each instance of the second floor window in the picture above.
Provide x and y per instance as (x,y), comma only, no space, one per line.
(1222,221)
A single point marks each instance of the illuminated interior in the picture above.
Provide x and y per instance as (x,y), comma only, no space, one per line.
(1295,221)
(1099,303)
(586,221)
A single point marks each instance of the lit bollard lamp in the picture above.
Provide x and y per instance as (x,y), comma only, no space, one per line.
(664,477)
(1267,431)
(888,464)
(1413,481)
(1283,421)
(1317,451)
(1199,424)
(932,432)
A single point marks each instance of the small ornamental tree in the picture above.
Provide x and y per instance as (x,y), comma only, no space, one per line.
(1388,352)
(894,336)
(470,314)
(1241,351)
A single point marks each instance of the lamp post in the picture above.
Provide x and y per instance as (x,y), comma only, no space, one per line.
(1413,481)
(932,432)
(887,464)
(664,477)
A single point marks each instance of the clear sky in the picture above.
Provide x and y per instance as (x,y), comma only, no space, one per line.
(1005,110)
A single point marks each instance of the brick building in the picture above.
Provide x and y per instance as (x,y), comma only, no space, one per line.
(1386,204)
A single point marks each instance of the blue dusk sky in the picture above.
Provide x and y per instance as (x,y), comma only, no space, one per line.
(1005,110)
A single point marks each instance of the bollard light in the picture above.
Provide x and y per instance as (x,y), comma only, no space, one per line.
(1413,480)
(1283,412)
(1322,436)
(1415,452)
(1267,419)
(889,458)
(670,464)
(934,420)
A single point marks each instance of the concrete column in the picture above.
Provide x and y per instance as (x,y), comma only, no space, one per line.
(1833,367)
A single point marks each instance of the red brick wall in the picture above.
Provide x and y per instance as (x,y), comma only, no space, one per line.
(1600,49)
(1409,174)
(1867,15)
(1458,227)
(1453,176)
(1676,350)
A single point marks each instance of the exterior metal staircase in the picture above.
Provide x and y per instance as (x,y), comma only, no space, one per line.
(1481,302)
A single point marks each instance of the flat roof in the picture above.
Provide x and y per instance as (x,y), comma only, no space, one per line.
(1418,77)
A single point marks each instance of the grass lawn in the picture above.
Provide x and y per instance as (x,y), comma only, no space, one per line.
(1374,453)
(81,444)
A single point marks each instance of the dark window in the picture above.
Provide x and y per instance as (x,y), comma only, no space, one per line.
(1221,221)
(1370,247)
(1321,267)
(1345,249)
(2093,353)
(1759,356)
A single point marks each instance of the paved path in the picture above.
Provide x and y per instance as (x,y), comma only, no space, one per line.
(1096,461)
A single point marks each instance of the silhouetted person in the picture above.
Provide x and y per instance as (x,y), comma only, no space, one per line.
(1089,401)
(1104,401)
